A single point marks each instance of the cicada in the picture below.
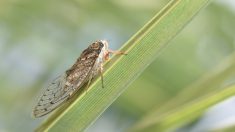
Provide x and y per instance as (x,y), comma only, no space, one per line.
(88,65)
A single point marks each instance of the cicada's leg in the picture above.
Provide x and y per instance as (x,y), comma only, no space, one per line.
(117,52)
(109,51)
(88,84)
(101,75)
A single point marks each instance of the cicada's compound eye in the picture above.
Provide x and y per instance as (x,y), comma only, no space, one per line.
(95,45)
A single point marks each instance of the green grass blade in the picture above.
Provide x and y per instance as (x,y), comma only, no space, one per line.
(142,49)
(197,94)
(190,111)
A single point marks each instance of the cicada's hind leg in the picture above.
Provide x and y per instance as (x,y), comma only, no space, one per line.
(101,75)
(88,84)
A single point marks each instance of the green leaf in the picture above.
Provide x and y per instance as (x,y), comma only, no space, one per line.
(82,110)
(193,101)
(189,111)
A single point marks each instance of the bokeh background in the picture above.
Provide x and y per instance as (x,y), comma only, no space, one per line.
(39,40)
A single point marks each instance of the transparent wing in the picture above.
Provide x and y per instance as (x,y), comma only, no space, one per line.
(51,97)
(65,86)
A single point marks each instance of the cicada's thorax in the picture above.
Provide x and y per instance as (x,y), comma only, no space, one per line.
(99,62)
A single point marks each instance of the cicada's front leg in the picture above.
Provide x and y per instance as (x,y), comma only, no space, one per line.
(106,57)
(117,52)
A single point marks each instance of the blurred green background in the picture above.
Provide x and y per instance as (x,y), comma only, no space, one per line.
(41,39)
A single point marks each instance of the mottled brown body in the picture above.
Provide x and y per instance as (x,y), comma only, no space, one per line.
(85,68)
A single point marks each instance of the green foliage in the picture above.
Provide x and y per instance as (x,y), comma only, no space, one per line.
(171,88)
(193,101)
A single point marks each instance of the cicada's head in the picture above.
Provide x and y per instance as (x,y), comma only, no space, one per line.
(101,47)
